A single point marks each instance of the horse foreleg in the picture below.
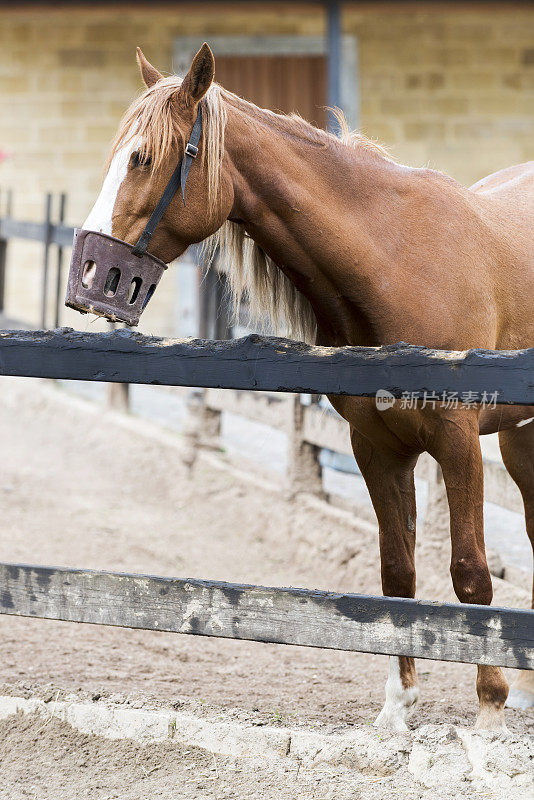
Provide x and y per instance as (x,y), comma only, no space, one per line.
(517,449)
(390,480)
(456,446)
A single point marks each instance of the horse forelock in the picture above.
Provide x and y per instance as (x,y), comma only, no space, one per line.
(250,272)
(152,118)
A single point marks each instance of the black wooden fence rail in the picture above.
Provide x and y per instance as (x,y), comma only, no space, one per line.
(478,634)
(270,364)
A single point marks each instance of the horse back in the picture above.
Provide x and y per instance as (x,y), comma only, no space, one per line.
(514,183)
(508,196)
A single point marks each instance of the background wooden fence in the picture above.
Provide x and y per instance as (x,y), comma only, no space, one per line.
(50,233)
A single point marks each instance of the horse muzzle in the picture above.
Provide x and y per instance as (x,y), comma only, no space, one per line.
(108,279)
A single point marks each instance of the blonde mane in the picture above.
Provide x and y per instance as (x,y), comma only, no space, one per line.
(251,274)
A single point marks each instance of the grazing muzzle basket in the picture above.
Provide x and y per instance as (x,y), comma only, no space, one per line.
(108,279)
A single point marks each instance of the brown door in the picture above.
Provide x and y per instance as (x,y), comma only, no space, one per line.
(281,83)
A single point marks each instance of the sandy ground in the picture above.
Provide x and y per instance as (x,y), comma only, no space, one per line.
(81,489)
(248,439)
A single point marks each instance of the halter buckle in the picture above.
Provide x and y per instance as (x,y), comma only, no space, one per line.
(191,150)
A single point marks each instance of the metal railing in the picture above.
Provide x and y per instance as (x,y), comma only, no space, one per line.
(51,233)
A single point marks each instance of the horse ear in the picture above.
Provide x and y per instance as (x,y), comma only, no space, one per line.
(198,80)
(149,74)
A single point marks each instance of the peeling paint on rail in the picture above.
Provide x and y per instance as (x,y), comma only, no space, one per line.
(268,364)
(310,618)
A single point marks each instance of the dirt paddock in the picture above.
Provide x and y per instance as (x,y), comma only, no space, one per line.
(82,488)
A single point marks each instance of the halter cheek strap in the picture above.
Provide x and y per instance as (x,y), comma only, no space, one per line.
(177,180)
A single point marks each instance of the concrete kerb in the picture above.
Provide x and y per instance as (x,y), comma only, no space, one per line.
(432,755)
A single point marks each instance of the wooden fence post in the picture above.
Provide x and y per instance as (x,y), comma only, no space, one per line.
(214,312)
(304,468)
(3,258)
(436,527)
(3,255)
(223,320)
(58,304)
(117,394)
(214,323)
(46,255)
(193,429)
(210,423)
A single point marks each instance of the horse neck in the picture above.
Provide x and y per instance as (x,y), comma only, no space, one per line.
(313,205)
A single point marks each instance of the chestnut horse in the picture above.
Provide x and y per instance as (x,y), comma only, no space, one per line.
(353,249)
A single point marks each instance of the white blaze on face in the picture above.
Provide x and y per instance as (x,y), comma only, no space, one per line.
(101,215)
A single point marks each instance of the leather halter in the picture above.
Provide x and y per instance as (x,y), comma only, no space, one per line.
(177,181)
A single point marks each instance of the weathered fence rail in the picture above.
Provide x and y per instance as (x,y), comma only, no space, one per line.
(391,626)
(502,637)
(261,363)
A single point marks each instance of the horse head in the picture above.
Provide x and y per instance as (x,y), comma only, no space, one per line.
(164,190)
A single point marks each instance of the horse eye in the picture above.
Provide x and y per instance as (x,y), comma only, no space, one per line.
(139,160)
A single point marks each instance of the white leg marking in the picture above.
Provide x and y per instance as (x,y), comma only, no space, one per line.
(101,215)
(399,701)
(491,719)
(521,694)
(524,422)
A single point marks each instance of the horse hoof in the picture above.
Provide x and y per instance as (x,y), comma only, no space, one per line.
(491,719)
(391,722)
(518,698)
